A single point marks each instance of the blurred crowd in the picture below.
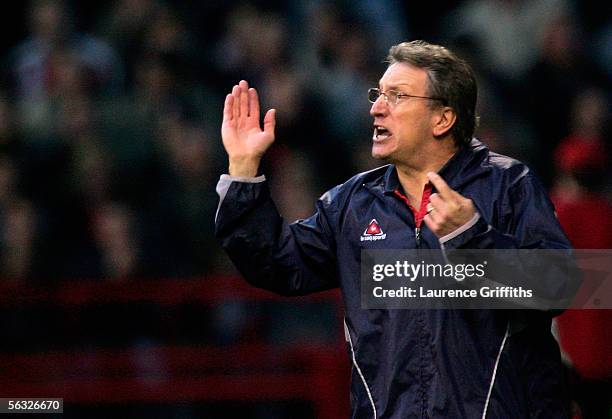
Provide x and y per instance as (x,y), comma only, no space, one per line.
(110,118)
(109,121)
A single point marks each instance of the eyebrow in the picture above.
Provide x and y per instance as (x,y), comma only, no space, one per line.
(395,85)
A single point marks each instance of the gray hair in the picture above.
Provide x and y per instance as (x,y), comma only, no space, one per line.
(449,78)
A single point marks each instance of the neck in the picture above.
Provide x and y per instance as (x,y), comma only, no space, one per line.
(413,174)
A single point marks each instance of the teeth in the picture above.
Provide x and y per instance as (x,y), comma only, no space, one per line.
(380,133)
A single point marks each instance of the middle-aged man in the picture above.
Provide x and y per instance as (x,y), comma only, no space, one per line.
(442,189)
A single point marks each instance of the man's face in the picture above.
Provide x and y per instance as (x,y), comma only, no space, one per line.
(401,130)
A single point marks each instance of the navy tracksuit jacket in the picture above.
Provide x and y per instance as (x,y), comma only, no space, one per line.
(413,363)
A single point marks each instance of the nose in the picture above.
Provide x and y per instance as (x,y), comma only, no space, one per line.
(379,108)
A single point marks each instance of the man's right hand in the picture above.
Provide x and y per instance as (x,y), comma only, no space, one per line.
(244,140)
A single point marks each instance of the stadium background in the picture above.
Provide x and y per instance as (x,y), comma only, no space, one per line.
(113,292)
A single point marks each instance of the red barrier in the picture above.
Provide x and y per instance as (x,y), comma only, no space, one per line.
(316,372)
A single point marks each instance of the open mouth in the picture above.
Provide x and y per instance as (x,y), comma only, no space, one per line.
(380,133)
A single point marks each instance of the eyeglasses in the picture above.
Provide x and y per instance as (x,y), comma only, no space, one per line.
(393,97)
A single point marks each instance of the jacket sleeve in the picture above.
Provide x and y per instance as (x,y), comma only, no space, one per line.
(529,222)
(528,248)
(288,259)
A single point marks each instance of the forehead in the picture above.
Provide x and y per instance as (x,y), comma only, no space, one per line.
(406,76)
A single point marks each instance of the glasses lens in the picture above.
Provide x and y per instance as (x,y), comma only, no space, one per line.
(392,96)
(373,94)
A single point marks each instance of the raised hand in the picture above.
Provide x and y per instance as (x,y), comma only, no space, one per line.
(243,138)
(447,209)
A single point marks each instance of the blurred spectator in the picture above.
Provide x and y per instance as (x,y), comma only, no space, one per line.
(586,215)
(336,63)
(91,174)
(582,157)
(552,84)
(8,180)
(11,142)
(36,63)
(602,53)
(508,33)
(185,200)
(301,129)
(20,255)
(19,245)
(128,126)
(167,38)
(240,54)
(291,184)
(125,25)
(117,243)
(387,18)
(501,129)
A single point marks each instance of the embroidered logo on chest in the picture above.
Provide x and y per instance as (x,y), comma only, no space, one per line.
(373,232)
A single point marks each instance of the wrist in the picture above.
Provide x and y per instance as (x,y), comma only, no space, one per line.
(243,167)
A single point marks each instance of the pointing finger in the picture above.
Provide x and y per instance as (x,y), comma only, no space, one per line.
(444,190)
(431,222)
(437,202)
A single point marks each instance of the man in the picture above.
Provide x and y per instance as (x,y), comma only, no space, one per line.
(441,190)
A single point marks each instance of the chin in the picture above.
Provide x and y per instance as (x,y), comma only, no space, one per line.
(380,153)
(378,156)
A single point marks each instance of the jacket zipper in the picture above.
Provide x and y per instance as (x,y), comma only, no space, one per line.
(418,214)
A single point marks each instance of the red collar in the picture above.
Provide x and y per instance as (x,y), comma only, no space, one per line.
(420,214)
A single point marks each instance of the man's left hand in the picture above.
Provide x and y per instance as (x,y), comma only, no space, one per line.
(447,209)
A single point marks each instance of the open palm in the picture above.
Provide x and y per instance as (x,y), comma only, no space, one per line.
(243,138)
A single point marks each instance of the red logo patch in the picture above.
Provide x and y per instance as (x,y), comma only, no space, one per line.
(373,232)
(373,229)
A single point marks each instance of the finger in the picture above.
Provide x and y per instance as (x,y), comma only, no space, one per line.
(227,108)
(437,202)
(270,121)
(435,215)
(236,102)
(244,99)
(253,105)
(431,223)
(441,186)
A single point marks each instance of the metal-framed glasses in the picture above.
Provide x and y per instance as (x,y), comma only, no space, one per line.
(393,97)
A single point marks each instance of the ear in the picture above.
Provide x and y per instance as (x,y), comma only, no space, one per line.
(443,121)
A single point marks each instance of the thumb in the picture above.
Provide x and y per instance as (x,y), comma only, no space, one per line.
(270,122)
